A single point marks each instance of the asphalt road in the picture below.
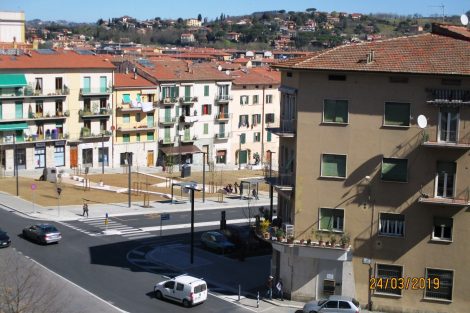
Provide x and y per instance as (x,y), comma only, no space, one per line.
(100,265)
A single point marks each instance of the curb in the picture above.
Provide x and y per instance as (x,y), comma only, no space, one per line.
(276,303)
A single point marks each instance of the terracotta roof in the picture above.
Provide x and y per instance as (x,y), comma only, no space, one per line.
(241,60)
(122,80)
(174,70)
(426,54)
(256,76)
(57,60)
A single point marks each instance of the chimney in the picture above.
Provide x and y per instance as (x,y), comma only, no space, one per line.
(135,73)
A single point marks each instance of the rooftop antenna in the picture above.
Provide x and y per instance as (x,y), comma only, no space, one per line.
(443,7)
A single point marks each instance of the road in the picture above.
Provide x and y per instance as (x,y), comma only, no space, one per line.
(99,264)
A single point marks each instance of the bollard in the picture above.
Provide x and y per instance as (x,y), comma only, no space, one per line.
(257,300)
(239,291)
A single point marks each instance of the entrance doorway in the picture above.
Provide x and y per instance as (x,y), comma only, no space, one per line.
(150,158)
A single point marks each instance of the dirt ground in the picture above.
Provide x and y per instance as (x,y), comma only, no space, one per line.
(46,195)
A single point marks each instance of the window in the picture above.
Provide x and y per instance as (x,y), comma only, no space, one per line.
(206,109)
(384,277)
(40,157)
(179,287)
(137,117)
(331,219)
(39,108)
(221,157)
(87,157)
(255,119)
(289,74)
(395,170)
(38,85)
(397,114)
(59,107)
(337,77)
(126,138)
(442,229)
(331,305)
(268,136)
(269,99)
(206,128)
(244,100)
(150,136)
(269,118)
(243,121)
(126,158)
(255,99)
(335,111)
(242,138)
(257,137)
(206,91)
(87,105)
(392,224)
(137,137)
(100,156)
(103,126)
(169,284)
(58,83)
(344,305)
(333,165)
(126,98)
(126,118)
(443,279)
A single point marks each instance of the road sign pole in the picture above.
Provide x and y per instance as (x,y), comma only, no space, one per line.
(34,207)
(161,223)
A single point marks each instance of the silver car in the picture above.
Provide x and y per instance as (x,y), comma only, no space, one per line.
(42,233)
(334,304)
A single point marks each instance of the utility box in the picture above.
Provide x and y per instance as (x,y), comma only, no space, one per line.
(50,174)
(185,170)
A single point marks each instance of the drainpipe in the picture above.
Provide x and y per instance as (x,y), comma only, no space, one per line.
(262,125)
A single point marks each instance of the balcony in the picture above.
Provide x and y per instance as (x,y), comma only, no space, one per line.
(460,199)
(223,98)
(30,93)
(223,116)
(89,92)
(85,133)
(38,117)
(451,139)
(169,100)
(188,100)
(167,120)
(137,128)
(128,108)
(8,140)
(287,128)
(448,96)
(98,114)
(166,141)
(188,138)
(284,181)
(187,119)
(222,136)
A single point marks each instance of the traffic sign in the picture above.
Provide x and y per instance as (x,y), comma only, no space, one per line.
(165,216)
(33,186)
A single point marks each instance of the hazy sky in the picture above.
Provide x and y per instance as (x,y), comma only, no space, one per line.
(92,10)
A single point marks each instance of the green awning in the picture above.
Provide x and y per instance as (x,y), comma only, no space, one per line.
(13,126)
(12,80)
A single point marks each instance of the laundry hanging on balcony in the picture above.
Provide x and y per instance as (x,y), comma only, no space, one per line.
(147,106)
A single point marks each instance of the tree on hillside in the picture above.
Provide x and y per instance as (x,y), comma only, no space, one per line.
(311,10)
(199,17)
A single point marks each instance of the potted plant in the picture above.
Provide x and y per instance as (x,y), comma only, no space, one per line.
(302,241)
(319,236)
(333,239)
(309,241)
(345,240)
(264,225)
(67,113)
(290,239)
(280,234)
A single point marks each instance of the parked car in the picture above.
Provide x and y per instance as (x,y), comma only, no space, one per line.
(244,237)
(184,289)
(42,233)
(216,241)
(334,304)
(4,239)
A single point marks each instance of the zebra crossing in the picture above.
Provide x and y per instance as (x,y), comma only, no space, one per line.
(111,228)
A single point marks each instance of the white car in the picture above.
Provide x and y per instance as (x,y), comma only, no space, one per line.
(334,304)
(184,289)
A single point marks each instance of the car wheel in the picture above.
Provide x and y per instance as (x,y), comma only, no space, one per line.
(158,294)
(186,303)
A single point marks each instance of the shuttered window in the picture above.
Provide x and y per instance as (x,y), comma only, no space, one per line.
(335,111)
(397,114)
(333,165)
(331,219)
(395,170)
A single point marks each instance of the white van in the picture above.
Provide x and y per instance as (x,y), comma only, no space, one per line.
(185,289)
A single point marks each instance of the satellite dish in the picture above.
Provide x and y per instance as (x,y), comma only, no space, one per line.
(227,72)
(422,121)
(464,19)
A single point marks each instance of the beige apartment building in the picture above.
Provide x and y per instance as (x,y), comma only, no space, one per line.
(374,144)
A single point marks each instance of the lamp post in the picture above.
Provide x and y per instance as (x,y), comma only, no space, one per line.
(192,189)
(271,187)
(179,151)
(102,153)
(204,154)
(129,177)
(240,151)
(15,164)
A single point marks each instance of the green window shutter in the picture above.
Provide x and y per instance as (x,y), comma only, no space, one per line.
(397,114)
(241,99)
(137,136)
(394,170)
(18,109)
(268,136)
(206,128)
(1,111)
(206,91)
(126,118)
(150,136)
(163,93)
(243,138)
(210,109)
(187,91)
(177,111)
(334,165)
(335,111)
(125,137)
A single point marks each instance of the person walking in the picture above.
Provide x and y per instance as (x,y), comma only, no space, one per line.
(255,194)
(269,287)
(85,209)
(235,187)
(279,287)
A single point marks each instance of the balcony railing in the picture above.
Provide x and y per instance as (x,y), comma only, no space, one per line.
(32,138)
(222,136)
(190,138)
(100,113)
(31,93)
(167,140)
(284,180)
(188,118)
(169,100)
(446,139)
(86,133)
(461,198)
(95,91)
(223,116)
(287,128)
(223,98)
(448,96)
(137,128)
(168,120)
(188,100)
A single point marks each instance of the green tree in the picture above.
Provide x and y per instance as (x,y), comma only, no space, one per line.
(199,17)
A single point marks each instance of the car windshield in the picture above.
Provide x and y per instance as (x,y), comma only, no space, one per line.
(219,238)
(321,302)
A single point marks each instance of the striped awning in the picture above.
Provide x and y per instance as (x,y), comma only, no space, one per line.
(13,126)
(12,80)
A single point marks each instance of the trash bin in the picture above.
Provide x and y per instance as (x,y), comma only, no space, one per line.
(185,171)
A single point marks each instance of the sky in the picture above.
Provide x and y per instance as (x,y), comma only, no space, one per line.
(92,10)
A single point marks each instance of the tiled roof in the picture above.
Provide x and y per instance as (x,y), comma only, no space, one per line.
(122,80)
(57,60)
(173,70)
(256,76)
(426,54)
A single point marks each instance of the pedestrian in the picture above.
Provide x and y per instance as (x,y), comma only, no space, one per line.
(235,187)
(85,209)
(255,194)
(269,286)
(279,286)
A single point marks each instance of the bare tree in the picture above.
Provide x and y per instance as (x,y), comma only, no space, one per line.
(24,288)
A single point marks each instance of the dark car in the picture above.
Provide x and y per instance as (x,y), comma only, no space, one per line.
(244,237)
(4,239)
(42,233)
(216,241)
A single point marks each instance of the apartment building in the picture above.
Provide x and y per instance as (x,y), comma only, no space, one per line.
(12,27)
(254,107)
(135,122)
(374,144)
(47,99)
(190,97)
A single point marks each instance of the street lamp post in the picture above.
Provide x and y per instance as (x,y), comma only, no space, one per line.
(192,189)
(102,153)
(239,151)
(204,154)
(129,178)
(179,151)
(15,165)
(271,187)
